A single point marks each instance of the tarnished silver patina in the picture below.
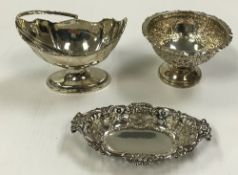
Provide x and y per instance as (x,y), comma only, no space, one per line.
(73,44)
(185,39)
(141,133)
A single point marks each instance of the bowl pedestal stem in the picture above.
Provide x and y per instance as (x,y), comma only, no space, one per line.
(180,77)
(78,80)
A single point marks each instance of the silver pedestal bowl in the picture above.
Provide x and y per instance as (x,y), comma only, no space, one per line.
(73,44)
(185,39)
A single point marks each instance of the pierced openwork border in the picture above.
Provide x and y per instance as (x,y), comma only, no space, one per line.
(95,123)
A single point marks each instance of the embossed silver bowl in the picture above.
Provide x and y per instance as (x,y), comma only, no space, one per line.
(73,44)
(141,133)
(185,39)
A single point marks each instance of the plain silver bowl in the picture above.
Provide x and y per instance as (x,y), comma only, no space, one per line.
(73,44)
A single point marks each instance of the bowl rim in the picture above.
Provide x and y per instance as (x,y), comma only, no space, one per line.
(201,52)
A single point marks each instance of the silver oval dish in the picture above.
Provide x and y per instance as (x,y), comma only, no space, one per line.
(141,133)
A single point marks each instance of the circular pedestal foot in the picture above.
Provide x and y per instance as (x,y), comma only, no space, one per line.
(179,77)
(78,81)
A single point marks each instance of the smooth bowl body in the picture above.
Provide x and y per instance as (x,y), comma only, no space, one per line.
(74,44)
(185,39)
(71,43)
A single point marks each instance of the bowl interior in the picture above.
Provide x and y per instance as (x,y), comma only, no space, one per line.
(74,37)
(188,32)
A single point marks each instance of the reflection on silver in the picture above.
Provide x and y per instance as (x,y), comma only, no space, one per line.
(147,141)
(73,44)
(141,133)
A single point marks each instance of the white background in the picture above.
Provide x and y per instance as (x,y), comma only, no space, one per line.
(35,136)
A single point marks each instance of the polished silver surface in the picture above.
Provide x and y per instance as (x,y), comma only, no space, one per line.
(138,141)
(184,40)
(141,133)
(73,44)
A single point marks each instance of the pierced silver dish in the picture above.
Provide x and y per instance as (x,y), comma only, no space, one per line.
(141,133)
(73,44)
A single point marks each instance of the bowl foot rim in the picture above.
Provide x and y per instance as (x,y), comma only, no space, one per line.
(179,77)
(78,80)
